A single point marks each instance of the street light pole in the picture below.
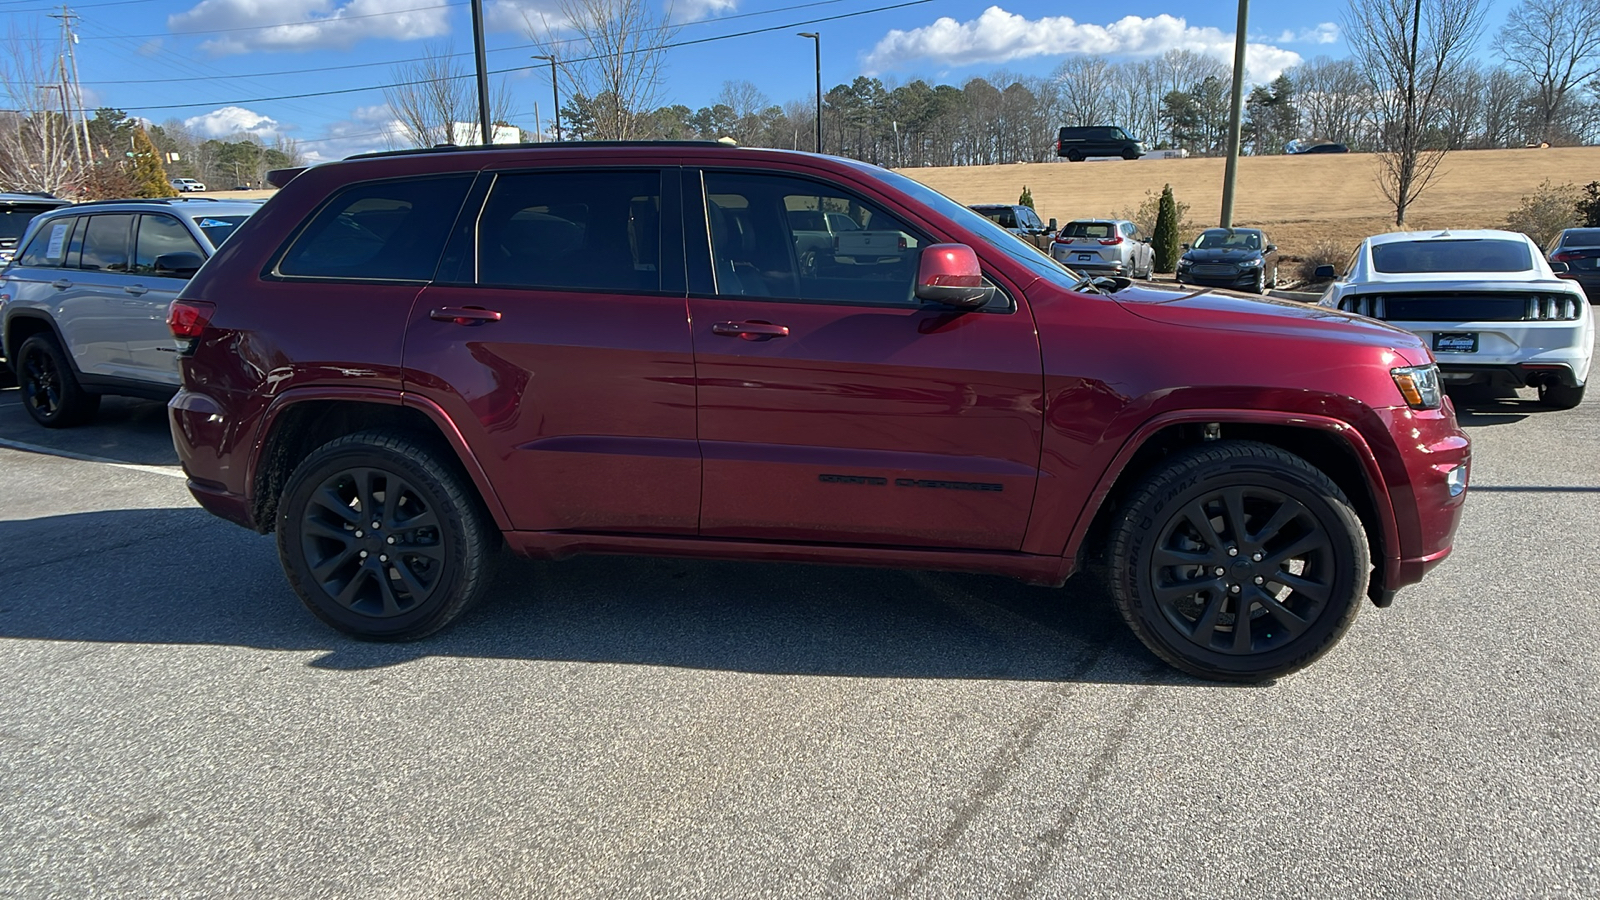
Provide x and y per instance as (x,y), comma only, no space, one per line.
(817,39)
(485,121)
(1235,120)
(555,92)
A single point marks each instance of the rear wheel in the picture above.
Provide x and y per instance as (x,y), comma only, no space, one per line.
(1238,561)
(1074,156)
(1559,396)
(381,538)
(48,386)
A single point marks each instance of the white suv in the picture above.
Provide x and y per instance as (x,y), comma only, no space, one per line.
(1486,302)
(83,307)
(186,185)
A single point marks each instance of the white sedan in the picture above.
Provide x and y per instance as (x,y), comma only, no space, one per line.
(1486,302)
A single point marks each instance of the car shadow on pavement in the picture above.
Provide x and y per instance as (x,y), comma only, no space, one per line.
(125,430)
(1477,405)
(178,576)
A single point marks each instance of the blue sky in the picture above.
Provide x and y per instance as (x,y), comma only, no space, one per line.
(165,59)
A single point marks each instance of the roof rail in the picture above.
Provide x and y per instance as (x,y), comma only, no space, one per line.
(162,200)
(471,148)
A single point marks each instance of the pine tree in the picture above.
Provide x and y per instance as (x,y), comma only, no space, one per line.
(149,176)
(1026,199)
(1165,240)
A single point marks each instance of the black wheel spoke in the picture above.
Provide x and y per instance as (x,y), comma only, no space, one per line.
(414,585)
(364,493)
(1313,541)
(1201,523)
(424,519)
(1167,593)
(1241,625)
(1281,614)
(322,529)
(321,571)
(1205,630)
(329,499)
(391,604)
(1287,512)
(1233,517)
(1170,556)
(347,595)
(430,551)
(1313,590)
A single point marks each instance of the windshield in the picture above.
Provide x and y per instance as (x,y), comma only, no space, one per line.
(1470,255)
(993,234)
(1222,239)
(14,220)
(219,228)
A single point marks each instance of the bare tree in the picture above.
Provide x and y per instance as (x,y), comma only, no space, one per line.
(1335,100)
(1503,96)
(36,132)
(1087,85)
(1556,43)
(615,61)
(433,93)
(1409,51)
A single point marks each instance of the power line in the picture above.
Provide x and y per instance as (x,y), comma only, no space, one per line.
(391,62)
(505,71)
(8,12)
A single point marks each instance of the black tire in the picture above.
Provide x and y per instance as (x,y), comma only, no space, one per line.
(431,564)
(1260,287)
(1274,284)
(1289,525)
(1130,155)
(1559,396)
(1074,156)
(49,387)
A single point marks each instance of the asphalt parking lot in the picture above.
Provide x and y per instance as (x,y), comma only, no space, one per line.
(172,724)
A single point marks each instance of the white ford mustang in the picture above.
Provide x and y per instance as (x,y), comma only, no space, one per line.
(1485,301)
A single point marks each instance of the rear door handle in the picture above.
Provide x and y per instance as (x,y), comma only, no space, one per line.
(465,315)
(136,289)
(750,331)
(61,284)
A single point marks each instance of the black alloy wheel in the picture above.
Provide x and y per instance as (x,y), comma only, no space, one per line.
(49,389)
(381,538)
(1239,561)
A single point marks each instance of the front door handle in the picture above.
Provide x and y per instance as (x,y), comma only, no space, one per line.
(61,284)
(750,331)
(136,289)
(465,315)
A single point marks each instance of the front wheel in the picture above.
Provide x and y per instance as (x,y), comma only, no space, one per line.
(1559,396)
(1260,286)
(381,538)
(1238,561)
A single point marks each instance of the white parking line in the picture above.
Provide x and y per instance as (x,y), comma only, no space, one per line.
(169,471)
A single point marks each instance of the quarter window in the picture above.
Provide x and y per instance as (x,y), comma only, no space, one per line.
(48,249)
(386,231)
(598,231)
(159,236)
(765,242)
(105,244)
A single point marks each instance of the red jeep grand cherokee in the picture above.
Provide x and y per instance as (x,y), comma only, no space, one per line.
(405,358)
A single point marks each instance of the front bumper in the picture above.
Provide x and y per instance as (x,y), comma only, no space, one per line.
(1245,278)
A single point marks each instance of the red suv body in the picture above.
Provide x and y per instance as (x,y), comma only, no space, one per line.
(621,349)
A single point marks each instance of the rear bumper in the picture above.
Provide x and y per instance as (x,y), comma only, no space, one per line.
(1515,350)
(1514,376)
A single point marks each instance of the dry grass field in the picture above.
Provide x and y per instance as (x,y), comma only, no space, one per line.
(1301,201)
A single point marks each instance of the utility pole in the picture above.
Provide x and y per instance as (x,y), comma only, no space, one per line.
(1236,117)
(485,122)
(555,91)
(817,39)
(77,88)
(67,18)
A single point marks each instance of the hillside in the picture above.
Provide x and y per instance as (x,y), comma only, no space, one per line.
(1301,200)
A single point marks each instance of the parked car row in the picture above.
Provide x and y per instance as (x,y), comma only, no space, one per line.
(690,349)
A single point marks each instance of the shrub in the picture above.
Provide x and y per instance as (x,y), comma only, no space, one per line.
(1026,199)
(1542,214)
(1325,253)
(1164,236)
(1589,206)
(148,175)
(1149,208)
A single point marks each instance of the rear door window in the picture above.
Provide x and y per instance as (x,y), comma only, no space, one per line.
(159,236)
(587,231)
(105,243)
(379,231)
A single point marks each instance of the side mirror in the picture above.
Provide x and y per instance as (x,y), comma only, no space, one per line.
(950,274)
(1325,273)
(182,264)
(1560,268)
(1185,246)
(1272,248)
(1053,226)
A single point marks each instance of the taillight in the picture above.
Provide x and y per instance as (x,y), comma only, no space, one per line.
(1566,256)
(188,318)
(1111,240)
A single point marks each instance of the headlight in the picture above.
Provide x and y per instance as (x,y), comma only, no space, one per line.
(1252,263)
(1419,385)
(1184,262)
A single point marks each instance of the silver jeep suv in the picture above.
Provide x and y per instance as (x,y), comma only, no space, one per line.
(83,306)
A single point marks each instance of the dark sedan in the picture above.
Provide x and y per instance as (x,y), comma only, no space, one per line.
(1575,255)
(1231,258)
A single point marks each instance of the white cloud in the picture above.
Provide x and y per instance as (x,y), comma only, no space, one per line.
(1326,33)
(519,15)
(318,24)
(690,10)
(999,36)
(369,128)
(232,120)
